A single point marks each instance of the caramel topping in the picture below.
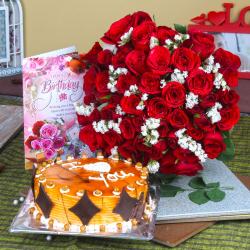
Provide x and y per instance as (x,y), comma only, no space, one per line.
(138,166)
(116,191)
(130,187)
(82,228)
(80,193)
(129,161)
(38,216)
(64,189)
(50,184)
(119,226)
(97,193)
(31,210)
(42,179)
(66,227)
(140,182)
(145,170)
(134,222)
(51,222)
(102,228)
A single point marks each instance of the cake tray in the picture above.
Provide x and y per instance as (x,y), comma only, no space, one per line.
(25,223)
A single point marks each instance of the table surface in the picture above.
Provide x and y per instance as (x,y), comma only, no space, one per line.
(14,179)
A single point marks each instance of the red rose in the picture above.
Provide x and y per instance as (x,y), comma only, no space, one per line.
(185,168)
(88,136)
(213,144)
(91,56)
(229,117)
(204,123)
(157,107)
(167,163)
(185,155)
(163,33)
(229,97)
(87,99)
(227,60)
(117,29)
(84,120)
(141,35)
(127,128)
(118,60)
(124,81)
(150,83)
(129,104)
(158,60)
(185,59)
(127,149)
(104,57)
(231,77)
(178,119)
(102,79)
(208,101)
(172,140)
(137,123)
(36,127)
(111,139)
(174,94)
(29,140)
(135,61)
(163,129)
(200,82)
(203,44)
(140,17)
(89,81)
(195,133)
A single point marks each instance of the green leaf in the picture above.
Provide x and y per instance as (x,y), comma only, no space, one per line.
(215,194)
(197,116)
(166,179)
(213,185)
(226,133)
(180,28)
(170,190)
(228,154)
(199,197)
(197,183)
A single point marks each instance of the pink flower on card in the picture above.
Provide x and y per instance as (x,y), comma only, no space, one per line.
(58,142)
(46,144)
(49,153)
(35,144)
(48,131)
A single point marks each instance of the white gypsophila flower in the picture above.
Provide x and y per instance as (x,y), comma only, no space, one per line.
(163,83)
(114,150)
(177,37)
(214,114)
(104,126)
(219,82)
(153,42)
(119,111)
(112,86)
(153,166)
(144,97)
(83,109)
(153,123)
(133,88)
(154,136)
(187,142)
(191,100)
(144,130)
(168,42)
(127,93)
(179,76)
(125,38)
(140,106)
(210,66)
(113,76)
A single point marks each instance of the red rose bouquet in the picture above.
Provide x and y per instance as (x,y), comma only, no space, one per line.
(158,95)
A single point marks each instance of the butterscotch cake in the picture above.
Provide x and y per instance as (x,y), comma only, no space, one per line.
(91,195)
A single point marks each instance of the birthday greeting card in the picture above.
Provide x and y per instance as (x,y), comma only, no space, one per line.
(50,90)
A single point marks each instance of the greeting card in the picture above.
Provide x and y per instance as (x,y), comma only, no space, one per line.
(50,90)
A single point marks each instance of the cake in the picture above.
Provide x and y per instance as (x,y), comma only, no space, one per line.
(91,195)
